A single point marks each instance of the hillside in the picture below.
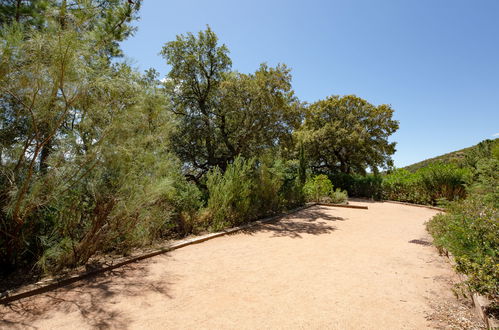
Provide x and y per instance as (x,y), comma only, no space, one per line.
(454,156)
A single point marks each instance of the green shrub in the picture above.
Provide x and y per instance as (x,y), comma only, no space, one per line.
(368,186)
(269,179)
(250,189)
(402,185)
(470,232)
(338,196)
(320,189)
(231,194)
(291,188)
(356,185)
(443,181)
(428,185)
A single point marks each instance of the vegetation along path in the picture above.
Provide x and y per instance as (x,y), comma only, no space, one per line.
(323,267)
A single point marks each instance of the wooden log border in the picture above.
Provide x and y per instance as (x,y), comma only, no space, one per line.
(344,205)
(479,302)
(417,205)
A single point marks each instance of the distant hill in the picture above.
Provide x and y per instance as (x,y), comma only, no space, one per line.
(450,157)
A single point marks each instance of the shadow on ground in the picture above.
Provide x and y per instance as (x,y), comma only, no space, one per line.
(93,298)
(312,221)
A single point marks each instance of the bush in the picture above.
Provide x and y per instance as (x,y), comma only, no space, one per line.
(338,196)
(320,189)
(367,186)
(470,232)
(231,194)
(404,186)
(443,181)
(250,189)
(428,185)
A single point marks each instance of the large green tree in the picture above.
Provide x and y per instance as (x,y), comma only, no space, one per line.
(348,134)
(84,156)
(223,114)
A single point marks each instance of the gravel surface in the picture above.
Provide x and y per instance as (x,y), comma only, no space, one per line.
(322,268)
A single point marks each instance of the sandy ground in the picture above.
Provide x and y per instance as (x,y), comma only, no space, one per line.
(323,267)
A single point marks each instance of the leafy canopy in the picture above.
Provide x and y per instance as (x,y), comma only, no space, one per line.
(348,134)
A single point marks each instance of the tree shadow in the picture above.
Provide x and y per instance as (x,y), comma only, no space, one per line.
(312,221)
(93,298)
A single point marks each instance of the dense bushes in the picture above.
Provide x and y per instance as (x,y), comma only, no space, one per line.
(249,189)
(469,230)
(356,185)
(428,185)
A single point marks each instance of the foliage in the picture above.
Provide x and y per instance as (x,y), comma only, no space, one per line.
(320,189)
(443,181)
(347,135)
(367,186)
(250,189)
(84,154)
(402,185)
(470,231)
(428,185)
(356,185)
(231,193)
(463,157)
(338,196)
(222,114)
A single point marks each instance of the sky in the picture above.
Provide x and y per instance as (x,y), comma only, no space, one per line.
(436,62)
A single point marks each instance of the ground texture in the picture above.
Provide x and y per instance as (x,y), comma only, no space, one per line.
(323,267)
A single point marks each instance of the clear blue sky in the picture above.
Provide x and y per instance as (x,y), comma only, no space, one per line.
(435,61)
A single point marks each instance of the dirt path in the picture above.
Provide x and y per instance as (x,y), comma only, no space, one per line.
(323,267)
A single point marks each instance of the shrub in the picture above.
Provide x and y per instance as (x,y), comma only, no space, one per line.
(250,189)
(320,189)
(443,181)
(269,179)
(368,186)
(231,193)
(428,185)
(338,196)
(290,193)
(402,185)
(470,232)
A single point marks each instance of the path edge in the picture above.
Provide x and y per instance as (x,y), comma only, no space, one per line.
(479,302)
(417,205)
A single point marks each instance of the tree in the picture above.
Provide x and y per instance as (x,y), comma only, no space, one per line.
(258,112)
(197,68)
(223,114)
(348,134)
(59,96)
(29,12)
